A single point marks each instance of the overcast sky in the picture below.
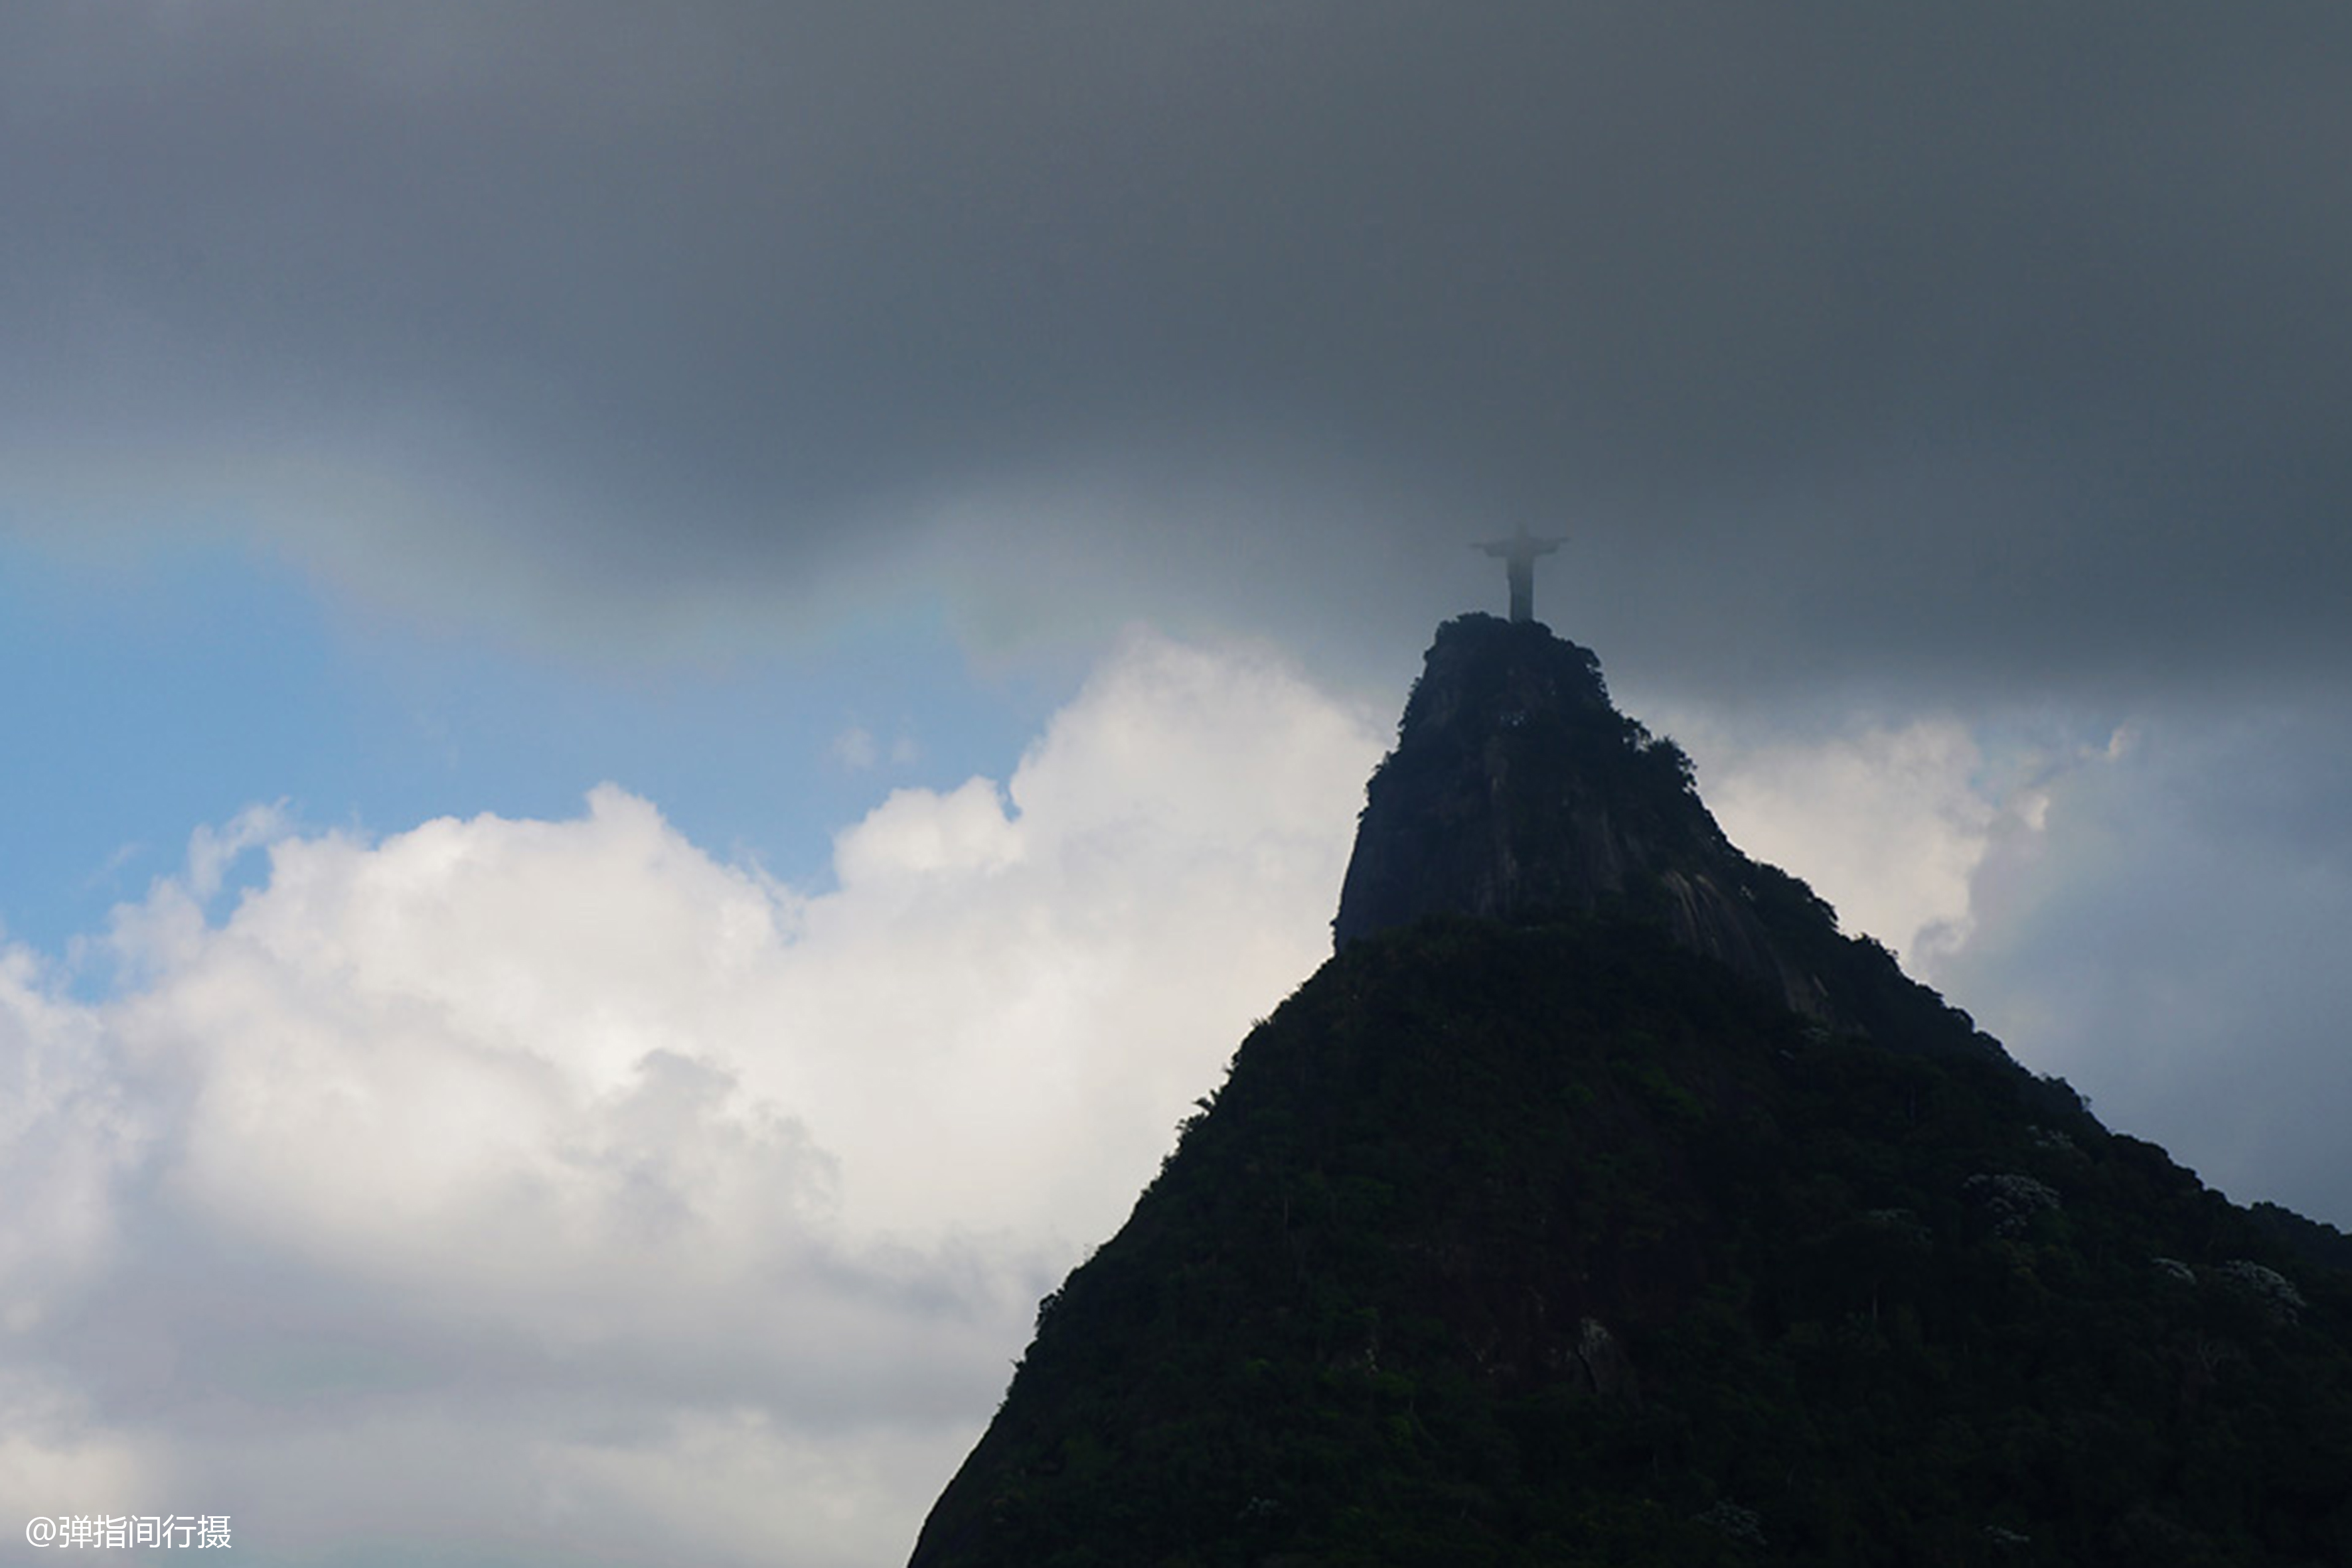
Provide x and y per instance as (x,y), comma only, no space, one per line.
(682,670)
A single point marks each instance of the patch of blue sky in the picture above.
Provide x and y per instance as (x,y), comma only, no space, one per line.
(148,698)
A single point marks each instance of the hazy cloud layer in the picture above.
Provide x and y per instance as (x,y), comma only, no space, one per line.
(2171,942)
(2005,345)
(546,1186)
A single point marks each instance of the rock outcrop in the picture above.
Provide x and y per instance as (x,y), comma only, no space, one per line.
(1516,791)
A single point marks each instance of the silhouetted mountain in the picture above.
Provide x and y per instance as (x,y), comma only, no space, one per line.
(1518,792)
(1600,1203)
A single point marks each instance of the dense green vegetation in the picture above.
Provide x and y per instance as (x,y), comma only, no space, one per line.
(1557,1244)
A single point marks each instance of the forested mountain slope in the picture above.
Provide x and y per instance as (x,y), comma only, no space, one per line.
(1576,1228)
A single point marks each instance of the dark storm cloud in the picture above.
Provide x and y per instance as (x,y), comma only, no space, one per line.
(1999,338)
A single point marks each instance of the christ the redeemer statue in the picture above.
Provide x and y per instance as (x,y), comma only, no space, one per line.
(1518,553)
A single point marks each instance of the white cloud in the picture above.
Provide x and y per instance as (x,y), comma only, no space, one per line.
(212,851)
(678,1211)
(71,1134)
(1889,822)
(55,1454)
(67,1134)
(1097,903)
(856,749)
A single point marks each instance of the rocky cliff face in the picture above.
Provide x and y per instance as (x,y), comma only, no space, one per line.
(1516,791)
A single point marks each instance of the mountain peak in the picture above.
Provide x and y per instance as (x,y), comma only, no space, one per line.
(1517,790)
(1538,1226)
